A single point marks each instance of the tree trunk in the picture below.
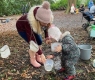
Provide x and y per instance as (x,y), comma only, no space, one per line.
(70,2)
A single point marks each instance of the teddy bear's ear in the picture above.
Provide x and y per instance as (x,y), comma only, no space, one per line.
(65,33)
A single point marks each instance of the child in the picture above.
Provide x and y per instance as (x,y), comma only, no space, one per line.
(69,49)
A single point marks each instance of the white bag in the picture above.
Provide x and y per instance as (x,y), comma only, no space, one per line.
(5,51)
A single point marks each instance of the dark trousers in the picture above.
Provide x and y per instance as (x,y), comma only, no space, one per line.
(38,37)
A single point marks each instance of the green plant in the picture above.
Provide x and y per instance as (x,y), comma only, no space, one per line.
(61,4)
(85,2)
(12,7)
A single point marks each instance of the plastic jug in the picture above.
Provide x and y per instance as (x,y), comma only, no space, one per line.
(5,51)
(54,45)
(48,65)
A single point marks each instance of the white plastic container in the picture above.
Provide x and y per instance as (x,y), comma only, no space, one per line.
(54,45)
(5,51)
(48,65)
(94,63)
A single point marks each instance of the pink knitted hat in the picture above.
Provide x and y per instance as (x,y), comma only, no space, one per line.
(44,13)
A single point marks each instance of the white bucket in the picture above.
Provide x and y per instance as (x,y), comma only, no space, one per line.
(54,45)
(48,65)
(5,51)
(85,51)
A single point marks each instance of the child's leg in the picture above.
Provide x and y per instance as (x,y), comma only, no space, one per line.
(38,39)
(31,54)
(62,64)
(39,42)
(23,35)
(70,70)
(33,59)
(63,60)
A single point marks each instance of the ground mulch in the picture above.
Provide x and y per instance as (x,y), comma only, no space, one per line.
(17,65)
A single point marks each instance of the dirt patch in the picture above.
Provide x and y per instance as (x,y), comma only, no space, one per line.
(17,65)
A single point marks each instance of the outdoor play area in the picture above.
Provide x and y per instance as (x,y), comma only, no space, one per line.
(17,65)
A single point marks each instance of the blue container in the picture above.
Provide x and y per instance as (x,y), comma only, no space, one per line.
(85,51)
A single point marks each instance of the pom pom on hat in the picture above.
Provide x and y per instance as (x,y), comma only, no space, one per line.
(46,5)
(44,13)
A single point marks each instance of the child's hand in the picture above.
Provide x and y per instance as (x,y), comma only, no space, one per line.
(58,48)
(43,58)
(47,41)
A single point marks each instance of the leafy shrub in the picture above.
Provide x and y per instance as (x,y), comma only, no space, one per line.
(12,7)
(59,5)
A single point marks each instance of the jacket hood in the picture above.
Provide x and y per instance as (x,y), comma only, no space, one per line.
(33,22)
(65,34)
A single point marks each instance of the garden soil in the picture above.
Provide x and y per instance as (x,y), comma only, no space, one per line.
(17,66)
